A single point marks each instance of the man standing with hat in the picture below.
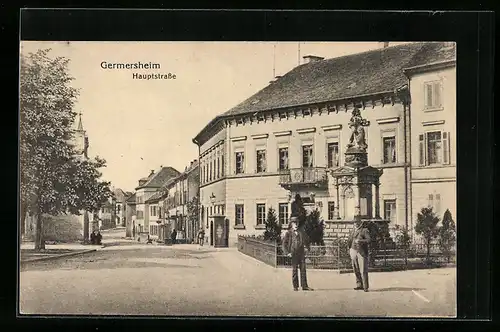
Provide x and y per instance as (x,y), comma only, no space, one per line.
(358,243)
(294,244)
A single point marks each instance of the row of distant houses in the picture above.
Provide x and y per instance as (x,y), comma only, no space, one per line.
(285,140)
(161,203)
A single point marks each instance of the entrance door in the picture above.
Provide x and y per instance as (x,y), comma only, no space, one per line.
(211,232)
(226,223)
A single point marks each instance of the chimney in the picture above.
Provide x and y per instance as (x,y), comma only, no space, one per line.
(383,44)
(312,58)
(152,172)
(275,79)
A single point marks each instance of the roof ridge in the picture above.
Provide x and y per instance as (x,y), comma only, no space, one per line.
(378,49)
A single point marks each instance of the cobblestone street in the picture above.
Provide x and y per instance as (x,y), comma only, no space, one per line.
(138,279)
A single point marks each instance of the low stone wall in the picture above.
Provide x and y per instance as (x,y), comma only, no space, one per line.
(338,229)
(263,251)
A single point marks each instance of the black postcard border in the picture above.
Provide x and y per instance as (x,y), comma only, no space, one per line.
(473,32)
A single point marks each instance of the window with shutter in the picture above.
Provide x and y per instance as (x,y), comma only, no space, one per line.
(432,95)
(446,148)
(428,95)
(421,146)
(437,95)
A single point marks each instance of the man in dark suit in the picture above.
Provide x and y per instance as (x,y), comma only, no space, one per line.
(298,211)
(358,243)
(294,244)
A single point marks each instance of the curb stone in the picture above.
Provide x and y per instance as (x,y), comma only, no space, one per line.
(82,252)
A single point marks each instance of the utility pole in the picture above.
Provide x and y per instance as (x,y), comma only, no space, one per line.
(274,61)
(298,54)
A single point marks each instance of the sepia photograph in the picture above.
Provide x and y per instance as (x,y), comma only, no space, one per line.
(222,179)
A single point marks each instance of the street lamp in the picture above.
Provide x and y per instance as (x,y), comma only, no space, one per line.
(212,199)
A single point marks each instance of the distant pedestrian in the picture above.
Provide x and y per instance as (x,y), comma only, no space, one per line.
(358,243)
(173,236)
(294,245)
(92,237)
(98,238)
(201,237)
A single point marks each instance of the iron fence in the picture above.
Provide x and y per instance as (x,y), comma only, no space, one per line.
(335,255)
(313,175)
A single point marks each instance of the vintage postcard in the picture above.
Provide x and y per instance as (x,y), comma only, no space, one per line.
(313,179)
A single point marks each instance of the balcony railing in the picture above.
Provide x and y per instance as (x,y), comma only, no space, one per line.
(316,176)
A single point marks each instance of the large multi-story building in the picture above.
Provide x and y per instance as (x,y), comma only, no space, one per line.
(287,138)
(433,136)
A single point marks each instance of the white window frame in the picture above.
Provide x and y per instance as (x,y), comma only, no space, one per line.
(335,207)
(395,201)
(437,85)
(257,205)
(304,144)
(257,150)
(236,152)
(287,157)
(286,217)
(236,214)
(332,140)
(423,147)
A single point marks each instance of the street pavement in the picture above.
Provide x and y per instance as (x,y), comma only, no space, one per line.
(140,279)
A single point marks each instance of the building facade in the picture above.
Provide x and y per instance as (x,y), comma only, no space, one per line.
(182,193)
(433,136)
(288,137)
(130,217)
(148,187)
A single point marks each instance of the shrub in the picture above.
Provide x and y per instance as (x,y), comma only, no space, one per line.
(447,235)
(402,238)
(273,228)
(314,228)
(427,226)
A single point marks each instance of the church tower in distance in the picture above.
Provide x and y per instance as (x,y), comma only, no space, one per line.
(81,140)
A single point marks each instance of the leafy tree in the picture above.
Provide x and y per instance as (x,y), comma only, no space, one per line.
(447,235)
(427,226)
(273,227)
(52,180)
(402,238)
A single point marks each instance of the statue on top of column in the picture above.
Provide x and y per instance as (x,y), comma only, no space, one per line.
(357,123)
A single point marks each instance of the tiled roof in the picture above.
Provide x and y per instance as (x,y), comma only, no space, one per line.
(191,168)
(344,77)
(131,199)
(353,75)
(156,197)
(157,179)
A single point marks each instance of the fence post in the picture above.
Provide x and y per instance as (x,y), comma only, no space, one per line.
(406,255)
(275,254)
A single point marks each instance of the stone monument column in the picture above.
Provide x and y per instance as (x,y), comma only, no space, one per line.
(337,208)
(377,201)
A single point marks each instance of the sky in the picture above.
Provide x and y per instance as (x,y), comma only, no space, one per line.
(140,125)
